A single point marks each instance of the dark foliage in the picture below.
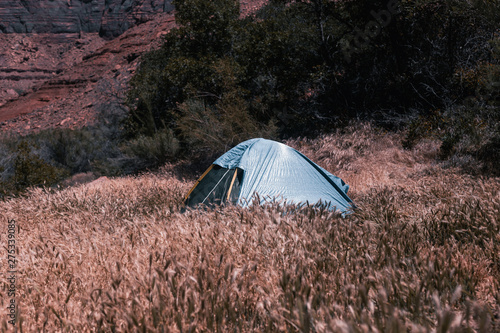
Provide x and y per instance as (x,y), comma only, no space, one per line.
(29,169)
(308,65)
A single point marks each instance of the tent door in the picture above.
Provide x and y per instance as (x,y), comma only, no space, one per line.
(216,186)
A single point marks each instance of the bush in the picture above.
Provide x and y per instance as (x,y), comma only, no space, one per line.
(489,154)
(213,129)
(182,68)
(29,169)
(49,156)
(422,127)
(472,129)
(197,61)
(151,151)
(469,131)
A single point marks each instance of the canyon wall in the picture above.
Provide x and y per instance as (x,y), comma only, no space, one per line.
(109,18)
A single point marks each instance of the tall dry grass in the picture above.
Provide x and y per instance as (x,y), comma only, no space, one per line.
(421,255)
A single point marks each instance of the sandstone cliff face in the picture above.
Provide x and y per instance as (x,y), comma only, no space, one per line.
(28,60)
(108,17)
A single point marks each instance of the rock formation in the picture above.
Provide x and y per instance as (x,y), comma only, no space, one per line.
(79,78)
(109,18)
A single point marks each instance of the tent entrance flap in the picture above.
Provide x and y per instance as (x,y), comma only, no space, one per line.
(217,186)
(198,181)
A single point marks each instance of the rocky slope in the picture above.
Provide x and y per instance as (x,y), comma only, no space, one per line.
(26,60)
(90,78)
(52,80)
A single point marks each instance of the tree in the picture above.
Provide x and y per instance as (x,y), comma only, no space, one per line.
(206,26)
(182,68)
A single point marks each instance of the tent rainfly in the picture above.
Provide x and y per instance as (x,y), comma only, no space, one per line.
(268,170)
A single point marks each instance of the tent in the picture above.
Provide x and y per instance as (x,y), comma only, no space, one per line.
(268,170)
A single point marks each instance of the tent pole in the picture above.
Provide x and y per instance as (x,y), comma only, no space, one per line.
(232,183)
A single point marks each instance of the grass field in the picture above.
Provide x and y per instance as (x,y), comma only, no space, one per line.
(420,255)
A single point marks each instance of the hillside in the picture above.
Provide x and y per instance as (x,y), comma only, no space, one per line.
(91,76)
(420,255)
(66,79)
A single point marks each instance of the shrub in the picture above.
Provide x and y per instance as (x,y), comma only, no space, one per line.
(72,148)
(29,169)
(151,151)
(290,63)
(212,129)
(472,129)
(489,154)
(59,153)
(422,127)
(181,69)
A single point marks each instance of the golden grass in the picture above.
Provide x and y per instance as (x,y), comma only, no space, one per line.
(421,255)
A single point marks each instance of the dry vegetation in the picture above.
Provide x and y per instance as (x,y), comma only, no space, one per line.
(422,253)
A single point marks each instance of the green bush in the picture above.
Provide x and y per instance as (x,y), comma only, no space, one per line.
(151,151)
(29,169)
(211,48)
(182,68)
(50,155)
(489,154)
(213,129)
(472,129)
(422,127)
(469,131)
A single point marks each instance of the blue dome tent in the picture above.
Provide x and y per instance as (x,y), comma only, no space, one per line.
(270,171)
